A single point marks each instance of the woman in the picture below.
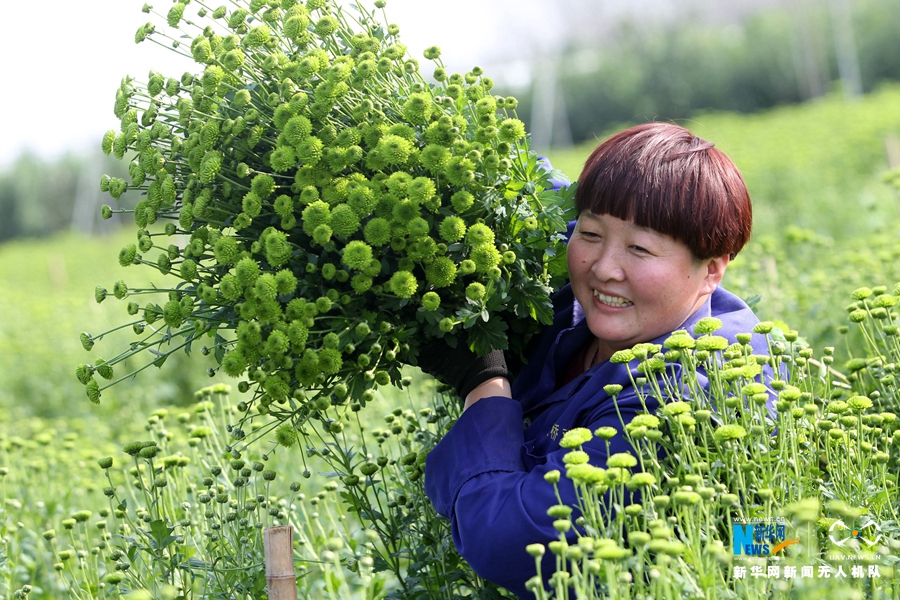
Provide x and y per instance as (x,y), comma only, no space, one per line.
(661,213)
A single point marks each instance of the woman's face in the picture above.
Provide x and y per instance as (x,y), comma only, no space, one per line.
(635,284)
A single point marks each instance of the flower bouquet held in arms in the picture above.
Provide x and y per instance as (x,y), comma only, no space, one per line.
(321,208)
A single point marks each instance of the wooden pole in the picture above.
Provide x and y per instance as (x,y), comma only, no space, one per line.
(281,582)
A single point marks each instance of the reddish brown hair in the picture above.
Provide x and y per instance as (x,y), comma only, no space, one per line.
(662,176)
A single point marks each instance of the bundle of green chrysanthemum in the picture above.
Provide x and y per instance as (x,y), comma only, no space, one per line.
(326,209)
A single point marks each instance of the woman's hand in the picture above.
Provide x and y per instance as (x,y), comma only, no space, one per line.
(462,368)
(496,386)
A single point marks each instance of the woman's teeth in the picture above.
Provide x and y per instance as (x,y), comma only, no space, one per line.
(612,300)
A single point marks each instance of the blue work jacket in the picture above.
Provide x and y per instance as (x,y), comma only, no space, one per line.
(487,474)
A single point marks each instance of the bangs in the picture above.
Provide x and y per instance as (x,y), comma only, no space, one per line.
(663,177)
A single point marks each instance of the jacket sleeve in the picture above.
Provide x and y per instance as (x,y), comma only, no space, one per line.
(477,477)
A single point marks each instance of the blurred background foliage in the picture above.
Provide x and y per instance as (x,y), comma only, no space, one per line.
(742,60)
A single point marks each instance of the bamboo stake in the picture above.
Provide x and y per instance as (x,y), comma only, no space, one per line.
(281,582)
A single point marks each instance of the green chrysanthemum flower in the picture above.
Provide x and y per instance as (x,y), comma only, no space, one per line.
(466,267)
(405,211)
(212,78)
(92,389)
(622,460)
(188,270)
(511,130)
(574,438)
(859,403)
(286,435)
(297,129)
(357,255)
(486,106)
(257,37)
(711,343)
(417,108)
(295,26)
(460,171)
(120,290)
(729,432)
(431,301)
(640,480)
(435,158)
(417,228)
(707,325)
(234,363)
(309,151)
(362,200)
(373,269)
(377,232)
(210,166)
(247,271)
(452,229)
(393,149)
(475,291)
(326,26)
(441,272)
(479,234)
(266,288)
(403,284)
(201,49)
(330,361)
(230,288)
(127,255)
(328,271)
(172,314)
(297,333)
(284,206)
(233,60)
(87,341)
(322,234)
(343,221)
(315,214)
(278,249)
(361,283)
(462,201)
(283,159)
(251,204)
(107,144)
(485,258)
(421,189)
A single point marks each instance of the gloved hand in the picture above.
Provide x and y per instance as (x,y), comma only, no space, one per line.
(460,367)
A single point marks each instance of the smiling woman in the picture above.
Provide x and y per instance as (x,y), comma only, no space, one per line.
(661,213)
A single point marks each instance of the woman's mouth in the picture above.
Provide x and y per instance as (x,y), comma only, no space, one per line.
(614,301)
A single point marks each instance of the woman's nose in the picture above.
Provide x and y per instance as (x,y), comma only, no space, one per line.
(608,266)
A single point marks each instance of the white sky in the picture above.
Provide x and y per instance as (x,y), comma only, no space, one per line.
(63,60)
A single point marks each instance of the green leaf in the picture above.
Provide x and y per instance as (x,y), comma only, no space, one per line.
(161,534)
(219,352)
(532,299)
(487,336)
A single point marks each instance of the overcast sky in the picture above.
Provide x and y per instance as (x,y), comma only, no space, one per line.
(63,59)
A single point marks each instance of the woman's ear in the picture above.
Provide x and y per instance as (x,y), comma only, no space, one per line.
(715,270)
